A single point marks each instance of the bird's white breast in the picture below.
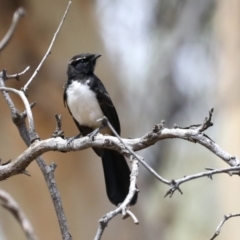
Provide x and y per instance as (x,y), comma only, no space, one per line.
(83,104)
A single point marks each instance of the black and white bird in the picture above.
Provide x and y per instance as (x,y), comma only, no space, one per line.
(88,101)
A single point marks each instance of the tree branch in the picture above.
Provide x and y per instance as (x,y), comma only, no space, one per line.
(123,208)
(32,132)
(10,204)
(48,171)
(19,13)
(31,136)
(25,88)
(127,147)
(110,142)
(176,183)
(14,76)
(226,217)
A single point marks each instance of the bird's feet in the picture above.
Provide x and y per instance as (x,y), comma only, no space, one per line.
(97,130)
(69,140)
(94,133)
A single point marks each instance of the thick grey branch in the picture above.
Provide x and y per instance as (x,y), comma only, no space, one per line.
(105,122)
(110,142)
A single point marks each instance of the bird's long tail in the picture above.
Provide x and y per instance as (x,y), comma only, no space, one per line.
(117,177)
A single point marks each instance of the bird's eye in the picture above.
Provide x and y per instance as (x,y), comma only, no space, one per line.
(81,61)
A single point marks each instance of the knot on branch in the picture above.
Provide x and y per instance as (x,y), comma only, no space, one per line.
(174,187)
(58,131)
(200,127)
(5,163)
(19,118)
(158,127)
(20,12)
(15,76)
(207,122)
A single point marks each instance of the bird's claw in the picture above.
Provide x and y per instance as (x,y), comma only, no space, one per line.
(69,140)
(93,133)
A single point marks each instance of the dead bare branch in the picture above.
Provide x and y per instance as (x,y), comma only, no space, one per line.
(110,142)
(25,88)
(31,136)
(14,76)
(176,183)
(19,13)
(226,217)
(123,208)
(48,171)
(32,132)
(105,122)
(10,204)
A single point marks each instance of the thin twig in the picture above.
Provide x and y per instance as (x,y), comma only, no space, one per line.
(226,217)
(176,183)
(105,121)
(25,88)
(19,13)
(10,204)
(123,208)
(33,134)
(15,76)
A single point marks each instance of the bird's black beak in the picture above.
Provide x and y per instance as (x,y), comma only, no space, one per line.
(96,56)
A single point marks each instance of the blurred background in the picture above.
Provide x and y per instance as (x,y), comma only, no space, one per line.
(161,59)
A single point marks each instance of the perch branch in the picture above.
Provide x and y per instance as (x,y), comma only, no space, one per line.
(105,122)
(110,142)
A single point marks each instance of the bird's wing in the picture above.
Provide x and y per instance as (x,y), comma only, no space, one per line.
(65,96)
(107,107)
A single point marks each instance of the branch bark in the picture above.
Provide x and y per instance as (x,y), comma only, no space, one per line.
(102,141)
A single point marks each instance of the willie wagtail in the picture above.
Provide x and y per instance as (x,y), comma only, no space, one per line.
(87,101)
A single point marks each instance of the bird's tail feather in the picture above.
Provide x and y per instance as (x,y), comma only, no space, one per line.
(117,177)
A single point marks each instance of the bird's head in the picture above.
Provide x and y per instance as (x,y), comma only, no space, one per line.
(82,64)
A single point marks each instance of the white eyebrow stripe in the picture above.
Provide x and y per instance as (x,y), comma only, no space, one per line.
(73,60)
